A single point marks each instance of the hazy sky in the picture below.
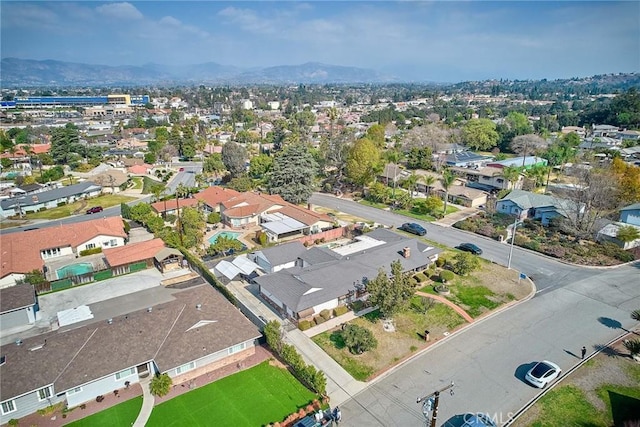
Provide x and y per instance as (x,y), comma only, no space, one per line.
(414,40)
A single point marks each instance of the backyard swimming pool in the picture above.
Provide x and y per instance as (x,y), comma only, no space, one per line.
(74,270)
(227,234)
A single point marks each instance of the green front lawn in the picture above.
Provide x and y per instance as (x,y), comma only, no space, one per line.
(123,414)
(80,207)
(254,397)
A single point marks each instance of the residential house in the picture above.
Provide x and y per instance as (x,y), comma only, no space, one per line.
(141,255)
(629,135)
(525,204)
(48,199)
(292,221)
(324,278)
(599,131)
(629,217)
(18,307)
(467,159)
(579,130)
(171,206)
(490,179)
(393,174)
(276,258)
(211,197)
(462,195)
(630,214)
(140,169)
(196,332)
(31,250)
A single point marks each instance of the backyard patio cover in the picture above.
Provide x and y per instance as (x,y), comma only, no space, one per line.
(282,224)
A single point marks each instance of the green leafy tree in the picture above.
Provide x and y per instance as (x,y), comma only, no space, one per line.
(362,161)
(214,164)
(223,245)
(234,157)
(293,174)
(635,315)
(427,206)
(260,165)
(627,233)
(358,339)
(518,123)
(390,294)
(241,183)
(378,193)
(511,174)
(376,134)
(35,278)
(213,218)
(192,227)
(160,385)
(480,134)
(465,263)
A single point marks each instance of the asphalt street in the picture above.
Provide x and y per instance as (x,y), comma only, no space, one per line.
(574,306)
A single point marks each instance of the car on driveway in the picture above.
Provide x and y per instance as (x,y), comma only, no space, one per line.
(412,227)
(469,247)
(543,373)
(94,209)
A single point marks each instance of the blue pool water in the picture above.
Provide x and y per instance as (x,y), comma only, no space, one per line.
(227,234)
(74,270)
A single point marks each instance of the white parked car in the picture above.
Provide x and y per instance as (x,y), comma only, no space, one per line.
(543,373)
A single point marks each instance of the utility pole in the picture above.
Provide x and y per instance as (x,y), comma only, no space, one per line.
(430,403)
(513,239)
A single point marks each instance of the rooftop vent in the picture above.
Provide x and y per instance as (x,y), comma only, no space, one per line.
(3,360)
(198,306)
(149,310)
(109,321)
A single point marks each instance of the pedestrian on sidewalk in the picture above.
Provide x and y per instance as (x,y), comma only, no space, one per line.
(583,351)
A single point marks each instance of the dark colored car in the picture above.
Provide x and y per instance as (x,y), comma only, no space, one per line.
(470,247)
(413,228)
(94,209)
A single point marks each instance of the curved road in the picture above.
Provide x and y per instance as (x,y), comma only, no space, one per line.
(574,306)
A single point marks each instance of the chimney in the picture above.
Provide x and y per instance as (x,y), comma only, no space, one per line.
(406,252)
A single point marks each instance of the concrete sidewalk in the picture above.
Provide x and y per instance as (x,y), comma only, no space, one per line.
(340,385)
(147,403)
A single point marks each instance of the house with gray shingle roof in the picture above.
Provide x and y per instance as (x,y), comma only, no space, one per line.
(319,280)
(630,214)
(199,330)
(278,257)
(525,204)
(48,199)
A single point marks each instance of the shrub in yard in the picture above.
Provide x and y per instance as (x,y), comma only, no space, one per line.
(499,233)
(90,251)
(555,251)
(325,314)
(465,263)
(420,277)
(303,325)
(486,230)
(339,311)
(358,339)
(440,262)
(357,305)
(213,218)
(533,245)
(160,385)
(319,320)
(446,276)
(13,422)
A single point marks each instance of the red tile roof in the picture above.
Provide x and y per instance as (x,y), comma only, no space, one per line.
(133,252)
(139,169)
(173,204)
(215,195)
(20,252)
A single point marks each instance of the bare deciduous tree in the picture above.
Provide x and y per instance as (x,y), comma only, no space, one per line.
(430,135)
(526,145)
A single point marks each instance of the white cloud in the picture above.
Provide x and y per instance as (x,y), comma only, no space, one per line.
(25,15)
(120,11)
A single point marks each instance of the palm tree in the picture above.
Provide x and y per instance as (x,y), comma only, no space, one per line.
(635,315)
(410,183)
(428,181)
(511,174)
(447,181)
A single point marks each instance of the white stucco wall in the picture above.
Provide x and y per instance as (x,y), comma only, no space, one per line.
(10,280)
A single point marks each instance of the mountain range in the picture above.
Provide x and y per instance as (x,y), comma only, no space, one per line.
(15,72)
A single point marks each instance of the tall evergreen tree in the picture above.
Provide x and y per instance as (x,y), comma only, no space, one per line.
(293,174)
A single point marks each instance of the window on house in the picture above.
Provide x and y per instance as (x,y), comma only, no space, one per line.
(44,393)
(74,391)
(187,367)
(8,407)
(113,242)
(236,348)
(125,373)
(90,245)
